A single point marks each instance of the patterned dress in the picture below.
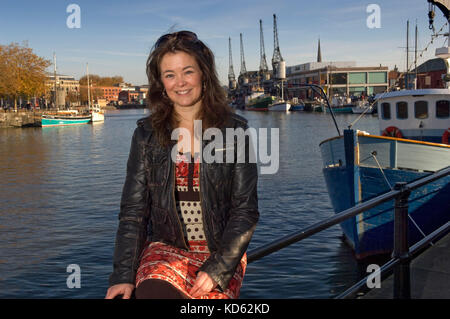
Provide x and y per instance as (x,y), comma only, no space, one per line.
(175,265)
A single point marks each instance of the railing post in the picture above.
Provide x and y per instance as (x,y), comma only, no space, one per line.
(402,285)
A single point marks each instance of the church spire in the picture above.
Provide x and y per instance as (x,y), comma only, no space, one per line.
(319,54)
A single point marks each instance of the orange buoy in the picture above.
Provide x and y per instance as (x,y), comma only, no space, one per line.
(445,136)
(392,131)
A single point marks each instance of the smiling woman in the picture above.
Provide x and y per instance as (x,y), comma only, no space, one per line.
(182,80)
(184,225)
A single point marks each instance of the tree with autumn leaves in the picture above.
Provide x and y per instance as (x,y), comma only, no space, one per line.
(22,73)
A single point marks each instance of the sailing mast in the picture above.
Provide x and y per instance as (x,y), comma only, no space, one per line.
(54,74)
(89,86)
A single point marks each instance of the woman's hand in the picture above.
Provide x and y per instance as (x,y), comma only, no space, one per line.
(120,289)
(202,285)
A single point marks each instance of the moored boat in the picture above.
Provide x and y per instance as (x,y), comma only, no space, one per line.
(297,107)
(367,109)
(359,166)
(97,114)
(414,135)
(340,109)
(279,106)
(64,119)
(259,103)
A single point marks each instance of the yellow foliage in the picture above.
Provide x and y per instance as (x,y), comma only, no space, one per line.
(22,71)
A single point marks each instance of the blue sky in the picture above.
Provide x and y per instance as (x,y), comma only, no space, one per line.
(116,36)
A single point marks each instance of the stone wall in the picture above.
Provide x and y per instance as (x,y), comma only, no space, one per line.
(19,119)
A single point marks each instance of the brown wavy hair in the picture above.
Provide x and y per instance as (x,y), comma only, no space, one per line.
(214,108)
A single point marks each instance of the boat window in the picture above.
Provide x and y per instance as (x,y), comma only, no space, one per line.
(402,110)
(421,109)
(386,109)
(442,109)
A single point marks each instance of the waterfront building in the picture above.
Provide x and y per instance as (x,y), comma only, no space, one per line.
(110,93)
(337,78)
(430,74)
(66,82)
(128,96)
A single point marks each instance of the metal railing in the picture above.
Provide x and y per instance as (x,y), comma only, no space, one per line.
(402,253)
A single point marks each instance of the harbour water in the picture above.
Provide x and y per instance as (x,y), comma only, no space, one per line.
(60,191)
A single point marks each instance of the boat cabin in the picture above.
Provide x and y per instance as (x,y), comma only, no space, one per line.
(415,114)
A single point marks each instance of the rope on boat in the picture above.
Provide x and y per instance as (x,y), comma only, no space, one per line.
(374,155)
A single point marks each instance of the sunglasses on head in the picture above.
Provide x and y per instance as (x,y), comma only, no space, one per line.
(183,35)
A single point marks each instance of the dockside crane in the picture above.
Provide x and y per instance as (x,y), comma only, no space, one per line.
(243,79)
(231,76)
(263,68)
(278,64)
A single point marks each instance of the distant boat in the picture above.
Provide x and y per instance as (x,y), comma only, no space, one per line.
(312,106)
(97,114)
(260,103)
(279,106)
(413,143)
(64,119)
(317,108)
(297,105)
(366,109)
(341,109)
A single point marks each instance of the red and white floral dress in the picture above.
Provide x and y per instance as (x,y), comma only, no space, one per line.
(175,265)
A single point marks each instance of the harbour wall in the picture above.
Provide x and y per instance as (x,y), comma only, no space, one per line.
(20,119)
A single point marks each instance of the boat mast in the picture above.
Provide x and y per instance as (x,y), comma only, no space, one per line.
(407,55)
(54,74)
(415,57)
(89,86)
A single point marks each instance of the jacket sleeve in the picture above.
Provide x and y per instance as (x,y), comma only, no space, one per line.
(241,224)
(133,216)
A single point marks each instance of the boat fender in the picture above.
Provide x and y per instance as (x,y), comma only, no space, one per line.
(392,131)
(445,136)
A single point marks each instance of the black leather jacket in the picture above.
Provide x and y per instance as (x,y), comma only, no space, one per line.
(228,194)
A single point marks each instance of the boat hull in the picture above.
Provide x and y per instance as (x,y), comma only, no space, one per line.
(297,107)
(371,232)
(360,110)
(98,117)
(344,109)
(259,103)
(352,176)
(58,121)
(279,107)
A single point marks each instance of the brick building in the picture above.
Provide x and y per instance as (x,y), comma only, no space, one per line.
(110,93)
(430,74)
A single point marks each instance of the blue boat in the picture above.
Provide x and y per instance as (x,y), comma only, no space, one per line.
(358,167)
(413,143)
(61,120)
(297,107)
